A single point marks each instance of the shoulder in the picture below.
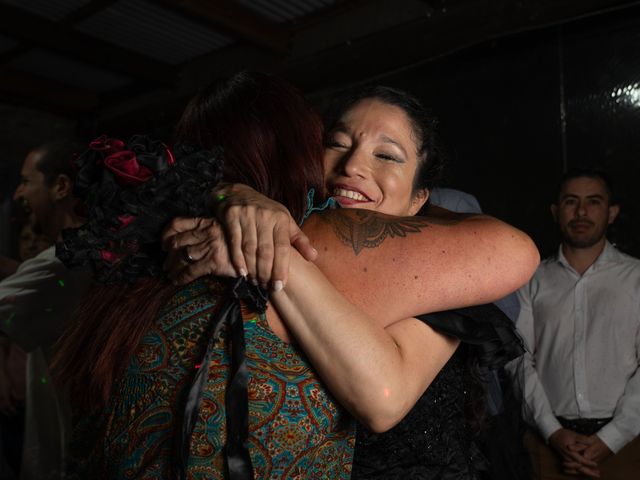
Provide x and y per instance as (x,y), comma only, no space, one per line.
(624,259)
(625,268)
(37,272)
(45,259)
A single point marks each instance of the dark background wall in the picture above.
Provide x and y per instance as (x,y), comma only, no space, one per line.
(515,113)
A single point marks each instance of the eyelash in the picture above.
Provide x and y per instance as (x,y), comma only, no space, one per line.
(386,156)
(334,144)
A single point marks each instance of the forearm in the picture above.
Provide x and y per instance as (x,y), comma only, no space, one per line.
(376,373)
(431,265)
(625,425)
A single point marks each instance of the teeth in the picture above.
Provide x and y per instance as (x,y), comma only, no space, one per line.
(341,192)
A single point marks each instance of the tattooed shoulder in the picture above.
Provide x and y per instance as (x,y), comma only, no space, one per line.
(367,229)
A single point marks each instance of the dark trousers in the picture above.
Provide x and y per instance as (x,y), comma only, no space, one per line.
(11,440)
(547,463)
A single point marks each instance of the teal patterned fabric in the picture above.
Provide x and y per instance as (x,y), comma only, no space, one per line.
(296,429)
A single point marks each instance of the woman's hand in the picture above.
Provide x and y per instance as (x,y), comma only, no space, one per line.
(196,247)
(258,231)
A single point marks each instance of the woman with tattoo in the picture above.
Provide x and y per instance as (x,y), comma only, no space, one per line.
(200,381)
(389,370)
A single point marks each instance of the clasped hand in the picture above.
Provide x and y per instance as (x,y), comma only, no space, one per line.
(250,236)
(581,453)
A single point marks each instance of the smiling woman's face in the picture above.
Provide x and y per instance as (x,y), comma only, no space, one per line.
(371,159)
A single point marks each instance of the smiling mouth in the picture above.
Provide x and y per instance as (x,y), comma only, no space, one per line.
(24,204)
(341,192)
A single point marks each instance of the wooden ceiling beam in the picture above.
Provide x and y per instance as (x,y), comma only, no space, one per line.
(236,20)
(87,10)
(49,35)
(30,89)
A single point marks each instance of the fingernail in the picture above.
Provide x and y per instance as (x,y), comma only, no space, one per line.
(254,282)
(278,285)
(243,273)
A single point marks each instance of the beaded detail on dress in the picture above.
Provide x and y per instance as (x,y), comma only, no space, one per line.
(434,441)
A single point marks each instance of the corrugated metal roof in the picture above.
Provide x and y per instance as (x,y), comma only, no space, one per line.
(67,71)
(6,44)
(153,31)
(52,9)
(285,10)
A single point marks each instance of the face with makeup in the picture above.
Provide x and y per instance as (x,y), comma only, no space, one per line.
(371,160)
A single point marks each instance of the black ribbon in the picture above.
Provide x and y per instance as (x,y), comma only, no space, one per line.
(238,461)
(485,327)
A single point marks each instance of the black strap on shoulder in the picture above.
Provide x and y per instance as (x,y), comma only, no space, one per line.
(238,461)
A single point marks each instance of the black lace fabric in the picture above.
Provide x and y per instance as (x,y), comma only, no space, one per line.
(131,191)
(435,441)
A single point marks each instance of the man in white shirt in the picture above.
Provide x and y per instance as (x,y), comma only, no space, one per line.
(580,319)
(37,302)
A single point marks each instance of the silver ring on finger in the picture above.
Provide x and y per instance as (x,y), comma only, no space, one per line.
(186,257)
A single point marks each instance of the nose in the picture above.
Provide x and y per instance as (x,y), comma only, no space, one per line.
(355,163)
(18,193)
(581,210)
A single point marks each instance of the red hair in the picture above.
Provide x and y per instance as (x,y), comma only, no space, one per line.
(272,141)
(271,135)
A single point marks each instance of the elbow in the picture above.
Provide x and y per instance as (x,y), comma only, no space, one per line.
(381,415)
(381,425)
(519,258)
(528,261)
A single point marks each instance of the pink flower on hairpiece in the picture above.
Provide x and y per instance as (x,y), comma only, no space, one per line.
(107,145)
(111,257)
(127,170)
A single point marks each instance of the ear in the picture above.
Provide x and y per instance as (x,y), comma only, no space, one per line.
(614,210)
(419,198)
(62,187)
(554,212)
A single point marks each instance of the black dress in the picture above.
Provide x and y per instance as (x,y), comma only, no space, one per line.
(435,441)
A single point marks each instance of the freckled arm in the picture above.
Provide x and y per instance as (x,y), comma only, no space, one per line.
(350,313)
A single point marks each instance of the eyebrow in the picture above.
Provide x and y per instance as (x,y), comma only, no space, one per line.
(342,128)
(572,195)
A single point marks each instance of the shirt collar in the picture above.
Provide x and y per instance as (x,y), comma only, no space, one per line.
(609,254)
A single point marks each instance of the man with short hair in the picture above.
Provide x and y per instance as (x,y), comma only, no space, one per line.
(580,319)
(38,300)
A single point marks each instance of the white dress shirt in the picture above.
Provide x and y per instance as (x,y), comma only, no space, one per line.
(583,337)
(36,304)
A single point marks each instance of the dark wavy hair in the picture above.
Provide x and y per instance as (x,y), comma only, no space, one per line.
(594,173)
(56,159)
(430,157)
(272,141)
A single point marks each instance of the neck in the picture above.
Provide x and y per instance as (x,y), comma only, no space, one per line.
(64,217)
(582,258)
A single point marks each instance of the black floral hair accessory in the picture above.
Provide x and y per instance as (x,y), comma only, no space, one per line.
(131,191)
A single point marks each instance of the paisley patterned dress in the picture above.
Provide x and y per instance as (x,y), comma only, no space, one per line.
(296,429)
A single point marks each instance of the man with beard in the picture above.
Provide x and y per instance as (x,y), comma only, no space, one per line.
(37,301)
(580,319)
